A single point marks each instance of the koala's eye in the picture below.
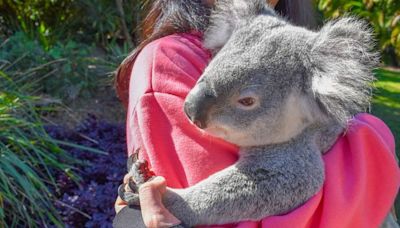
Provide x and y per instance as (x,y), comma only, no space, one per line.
(247,101)
(249,97)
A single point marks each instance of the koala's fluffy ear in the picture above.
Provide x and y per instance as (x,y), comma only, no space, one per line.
(342,60)
(228,15)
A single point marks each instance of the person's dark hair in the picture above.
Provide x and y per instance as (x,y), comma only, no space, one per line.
(299,12)
(166,17)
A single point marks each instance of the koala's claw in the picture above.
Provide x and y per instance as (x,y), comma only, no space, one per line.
(141,172)
(130,197)
(180,226)
(133,186)
(121,191)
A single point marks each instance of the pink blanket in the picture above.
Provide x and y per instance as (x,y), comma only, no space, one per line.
(362,176)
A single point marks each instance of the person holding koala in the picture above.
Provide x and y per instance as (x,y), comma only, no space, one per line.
(357,167)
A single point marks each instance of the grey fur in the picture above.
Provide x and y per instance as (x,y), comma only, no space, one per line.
(342,51)
(390,222)
(263,182)
(305,86)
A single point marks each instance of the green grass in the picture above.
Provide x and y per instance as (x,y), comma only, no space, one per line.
(386,106)
(29,158)
(386,102)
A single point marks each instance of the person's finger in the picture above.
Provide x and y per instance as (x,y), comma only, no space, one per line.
(119,205)
(126,178)
(155,215)
(157,183)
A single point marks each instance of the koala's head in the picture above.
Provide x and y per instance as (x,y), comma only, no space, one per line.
(270,80)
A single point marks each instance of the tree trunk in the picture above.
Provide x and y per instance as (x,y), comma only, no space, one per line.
(125,29)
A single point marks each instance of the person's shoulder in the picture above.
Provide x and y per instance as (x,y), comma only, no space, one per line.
(371,126)
(178,44)
(171,64)
(179,38)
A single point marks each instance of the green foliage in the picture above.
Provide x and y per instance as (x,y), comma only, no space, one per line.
(41,19)
(115,55)
(65,70)
(383,15)
(88,21)
(386,101)
(386,106)
(27,158)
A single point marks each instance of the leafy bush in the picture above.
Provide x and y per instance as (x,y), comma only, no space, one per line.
(64,71)
(386,106)
(384,16)
(37,18)
(28,158)
(89,21)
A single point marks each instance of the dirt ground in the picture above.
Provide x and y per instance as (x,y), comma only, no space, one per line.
(103,103)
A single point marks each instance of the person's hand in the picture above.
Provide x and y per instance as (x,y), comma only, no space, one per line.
(155,215)
(119,203)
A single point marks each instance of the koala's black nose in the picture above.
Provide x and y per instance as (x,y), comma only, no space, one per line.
(197,106)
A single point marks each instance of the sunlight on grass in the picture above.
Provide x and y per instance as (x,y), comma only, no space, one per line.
(386,105)
(386,102)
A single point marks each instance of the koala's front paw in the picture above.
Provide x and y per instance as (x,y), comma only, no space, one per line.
(141,172)
(129,194)
(180,226)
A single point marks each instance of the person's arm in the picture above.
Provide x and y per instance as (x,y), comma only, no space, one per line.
(163,74)
(362,179)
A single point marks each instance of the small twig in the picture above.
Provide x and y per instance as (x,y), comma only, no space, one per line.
(5,61)
(70,113)
(34,82)
(88,138)
(125,30)
(74,209)
(46,64)
(4,42)
(16,61)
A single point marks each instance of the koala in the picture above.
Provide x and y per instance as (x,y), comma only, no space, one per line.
(283,94)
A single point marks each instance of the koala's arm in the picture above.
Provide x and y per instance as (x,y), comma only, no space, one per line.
(249,190)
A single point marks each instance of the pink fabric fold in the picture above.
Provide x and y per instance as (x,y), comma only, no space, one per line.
(362,175)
